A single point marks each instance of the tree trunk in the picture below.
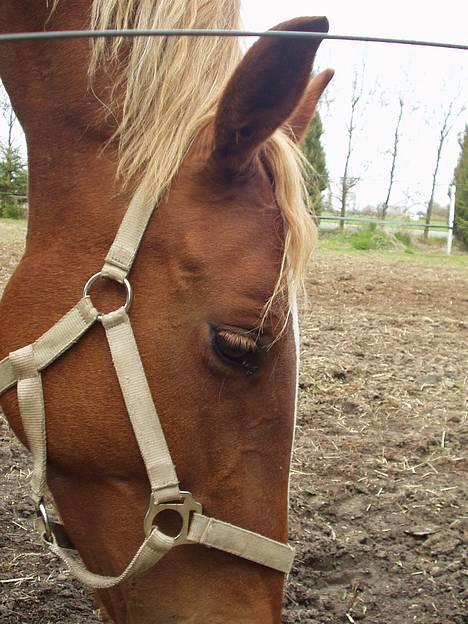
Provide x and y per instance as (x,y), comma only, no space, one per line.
(394,157)
(443,135)
(345,184)
(431,199)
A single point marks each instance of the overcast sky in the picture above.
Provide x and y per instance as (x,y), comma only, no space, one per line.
(429,80)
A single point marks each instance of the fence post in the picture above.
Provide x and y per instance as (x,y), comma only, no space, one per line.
(451,219)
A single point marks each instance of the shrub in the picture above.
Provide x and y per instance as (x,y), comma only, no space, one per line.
(13,210)
(461,193)
(405,238)
(369,237)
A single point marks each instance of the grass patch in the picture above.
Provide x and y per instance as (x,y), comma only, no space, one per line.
(341,243)
(12,230)
(432,241)
(366,238)
(13,223)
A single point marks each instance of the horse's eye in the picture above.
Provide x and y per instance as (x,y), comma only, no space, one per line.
(237,349)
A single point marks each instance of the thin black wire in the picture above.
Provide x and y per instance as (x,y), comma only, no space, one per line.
(197,32)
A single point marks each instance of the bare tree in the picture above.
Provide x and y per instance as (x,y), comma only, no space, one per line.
(448,120)
(394,154)
(8,115)
(347,182)
(13,171)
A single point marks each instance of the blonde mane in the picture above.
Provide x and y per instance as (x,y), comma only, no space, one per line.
(170,87)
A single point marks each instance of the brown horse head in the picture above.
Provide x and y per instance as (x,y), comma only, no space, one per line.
(213,284)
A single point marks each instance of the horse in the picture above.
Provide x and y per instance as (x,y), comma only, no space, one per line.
(207,139)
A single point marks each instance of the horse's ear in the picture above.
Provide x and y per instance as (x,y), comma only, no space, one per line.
(298,122)
(263,92)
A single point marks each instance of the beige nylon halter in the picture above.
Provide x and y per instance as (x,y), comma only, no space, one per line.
(22,367)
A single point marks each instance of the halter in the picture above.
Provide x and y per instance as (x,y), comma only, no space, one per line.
(23,368)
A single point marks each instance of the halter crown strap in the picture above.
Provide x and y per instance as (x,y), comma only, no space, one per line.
(123,250)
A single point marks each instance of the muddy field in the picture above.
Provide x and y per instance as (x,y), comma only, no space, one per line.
(377,490)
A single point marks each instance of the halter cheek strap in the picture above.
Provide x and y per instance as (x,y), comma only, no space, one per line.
(23,368)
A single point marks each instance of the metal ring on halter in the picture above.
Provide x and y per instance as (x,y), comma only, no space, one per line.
(42,522)
(184,507)
(99,275)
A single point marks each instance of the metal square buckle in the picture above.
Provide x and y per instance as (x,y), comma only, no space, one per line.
(185,508)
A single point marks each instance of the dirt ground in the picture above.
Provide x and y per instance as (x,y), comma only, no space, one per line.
(377,496)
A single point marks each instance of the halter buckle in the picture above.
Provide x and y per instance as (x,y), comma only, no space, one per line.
(42,523)
(185,508)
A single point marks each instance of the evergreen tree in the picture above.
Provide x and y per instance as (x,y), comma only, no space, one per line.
(13,182)
(313,151)
(461,191)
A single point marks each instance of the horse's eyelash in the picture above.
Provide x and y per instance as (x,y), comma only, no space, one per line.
(238,341)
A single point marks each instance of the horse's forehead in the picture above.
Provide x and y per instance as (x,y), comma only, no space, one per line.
(221,214)
(233,233)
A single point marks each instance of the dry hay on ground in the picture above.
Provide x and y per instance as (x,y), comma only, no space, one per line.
(377,498)
(378,475)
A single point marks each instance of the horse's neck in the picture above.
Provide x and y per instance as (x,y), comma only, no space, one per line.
(71,179)
(43,77)
(71,187)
